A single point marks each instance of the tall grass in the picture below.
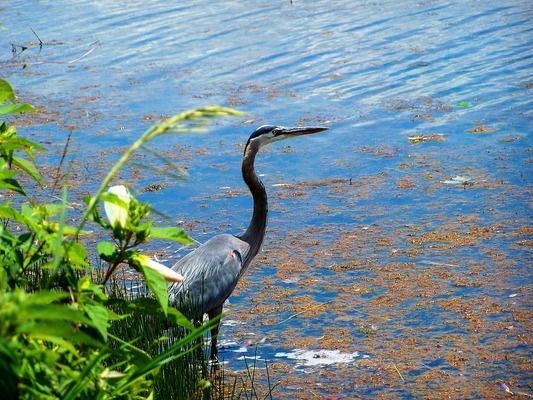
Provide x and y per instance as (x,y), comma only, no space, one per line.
(191,376)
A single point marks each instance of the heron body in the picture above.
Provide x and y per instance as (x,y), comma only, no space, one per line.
(216,263)
(211,271)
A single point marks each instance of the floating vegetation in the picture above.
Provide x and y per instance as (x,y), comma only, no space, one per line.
(510,138)
(154,187)
(526,84)
(434,137)
(462,104)
(482,129)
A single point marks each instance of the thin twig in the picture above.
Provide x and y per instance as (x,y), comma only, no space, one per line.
(94,45)
(399,373)
(14,49)
(252,378)
(37,36)
(65,149)
(182,172)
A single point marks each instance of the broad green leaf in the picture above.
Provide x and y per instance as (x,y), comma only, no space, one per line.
(84,283)
(462,104)
(158,286)
(53,312)
(15,108)
(98,315)
(57,332)
(6,92)
(94,291)
(77,254)
(171,233)
(8,173)
(19,143)
(107,251)
(11,184)
(46,297)
(179,319)
(113,316)
(54,338)
(28,167)
(7,131)
(8,212)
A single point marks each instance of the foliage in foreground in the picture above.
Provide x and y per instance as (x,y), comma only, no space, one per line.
(57,339)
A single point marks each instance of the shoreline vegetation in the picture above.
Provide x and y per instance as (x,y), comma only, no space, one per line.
(69,329)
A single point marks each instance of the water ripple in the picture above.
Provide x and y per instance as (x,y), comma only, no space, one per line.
(376,72)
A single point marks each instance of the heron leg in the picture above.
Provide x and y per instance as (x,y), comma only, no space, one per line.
(214,331)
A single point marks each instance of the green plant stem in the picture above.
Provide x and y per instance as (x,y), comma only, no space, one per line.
(154,131)
(119,259)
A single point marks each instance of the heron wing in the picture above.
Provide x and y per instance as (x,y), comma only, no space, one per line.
(210,273)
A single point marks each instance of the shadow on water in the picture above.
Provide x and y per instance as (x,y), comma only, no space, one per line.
(398,252)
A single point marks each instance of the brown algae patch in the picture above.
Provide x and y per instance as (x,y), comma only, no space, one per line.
(470,343)
(482,129)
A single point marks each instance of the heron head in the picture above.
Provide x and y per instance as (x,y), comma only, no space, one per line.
(267,134)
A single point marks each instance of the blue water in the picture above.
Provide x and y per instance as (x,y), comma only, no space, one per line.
(373,72)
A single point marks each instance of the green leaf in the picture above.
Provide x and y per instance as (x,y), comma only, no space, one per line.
(46,297)
(98,315)
(16,108)
(53,312)
(77,254)
(462,104)
(18,143)
(8,212)
(171,233)
(59,237)
(58,332)
(113,316)
(179,319)
(28,167)
(95,215)
(11,184)
(6,92)
(107,251)
(7,173)
(158,286)
(83,380)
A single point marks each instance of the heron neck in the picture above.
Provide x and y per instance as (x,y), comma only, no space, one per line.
(256,229)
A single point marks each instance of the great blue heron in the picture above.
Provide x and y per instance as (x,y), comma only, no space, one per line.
(212,270)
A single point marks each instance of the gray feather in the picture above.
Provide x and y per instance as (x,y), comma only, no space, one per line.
(210,273)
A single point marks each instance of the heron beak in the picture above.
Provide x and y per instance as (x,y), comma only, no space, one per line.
(301,130)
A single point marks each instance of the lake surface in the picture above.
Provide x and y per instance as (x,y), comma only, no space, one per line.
(397,262)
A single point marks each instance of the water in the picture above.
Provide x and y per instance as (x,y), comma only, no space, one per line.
(417,271)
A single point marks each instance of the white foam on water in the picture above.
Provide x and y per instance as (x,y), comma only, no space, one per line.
(231,322)
(319,357)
